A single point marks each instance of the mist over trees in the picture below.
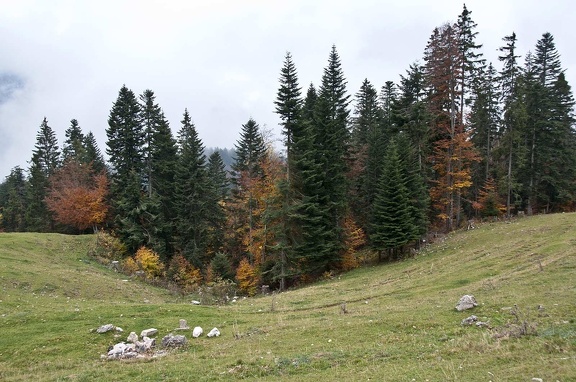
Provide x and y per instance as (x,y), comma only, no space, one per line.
(365,169)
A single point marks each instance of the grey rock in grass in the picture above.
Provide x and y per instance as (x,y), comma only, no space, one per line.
(183,325)
(133,337)
(214,333)
(466,302)
(117,350)
(469,320)
(171,341)
(105,328)
(145,345)
(148,332)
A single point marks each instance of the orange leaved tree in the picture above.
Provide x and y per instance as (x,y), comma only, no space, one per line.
(77,196)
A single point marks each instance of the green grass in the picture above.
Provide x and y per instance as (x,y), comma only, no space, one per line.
(401,323)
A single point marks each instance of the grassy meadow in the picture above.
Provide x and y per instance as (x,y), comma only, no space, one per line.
(400,322)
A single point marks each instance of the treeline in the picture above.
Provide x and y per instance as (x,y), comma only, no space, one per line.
(455,139)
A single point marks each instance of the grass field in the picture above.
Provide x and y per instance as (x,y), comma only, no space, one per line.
(400,324)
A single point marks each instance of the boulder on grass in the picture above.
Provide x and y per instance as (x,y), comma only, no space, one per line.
(197,332)
(148,332)
(172,341)
(214,333)
(469,320)
(466,302)
(133,337)
(105,328)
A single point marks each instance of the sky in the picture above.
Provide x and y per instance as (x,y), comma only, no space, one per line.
(221,59)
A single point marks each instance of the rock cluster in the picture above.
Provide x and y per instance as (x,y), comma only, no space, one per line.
(144,346)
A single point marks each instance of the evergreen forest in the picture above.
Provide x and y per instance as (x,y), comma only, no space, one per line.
(365,172)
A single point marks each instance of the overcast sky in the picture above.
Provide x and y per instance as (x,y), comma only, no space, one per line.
(64,59)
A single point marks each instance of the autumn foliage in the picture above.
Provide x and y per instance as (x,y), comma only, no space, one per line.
(77,197)
(247,277)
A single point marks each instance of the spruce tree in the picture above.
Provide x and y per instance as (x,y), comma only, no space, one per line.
(160,162)
(331,146)
(288,105)
(365,159)
(93,153)
(45,161)
(217,197)
(74,144)
(392,223)
(513,117)
(191,195)
(13,201)
(125,149)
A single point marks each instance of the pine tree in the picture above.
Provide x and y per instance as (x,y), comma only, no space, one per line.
(45,161)
(192,192)
(472,63)
(484,122)
(218,194)
(512,116)
(13,201)
(93,154)
(74,144)
(392,224)
(160,158)
(125,148)
(331,146)
(365,161)
(288,105)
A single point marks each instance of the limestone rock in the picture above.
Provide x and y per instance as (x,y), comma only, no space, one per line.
(145,345)
(171,341)
(105,328)
(183,325)
(195,302)
(214,333)
(133,337)
(469,320)
(466,302)
(117,350)
(197,332)
(148,332)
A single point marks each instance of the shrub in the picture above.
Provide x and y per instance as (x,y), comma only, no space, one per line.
(107,248)
(247,277)
(184,274)
(149,262)
(220,265)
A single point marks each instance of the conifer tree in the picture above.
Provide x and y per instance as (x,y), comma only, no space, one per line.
(45,161)
(13,201)
(365,159)
(160,158)
(513,116)
(217,197)
(125,148)
(392,224)
(288,105)
(331,146)
(192,190)
(93,154)
(74,144)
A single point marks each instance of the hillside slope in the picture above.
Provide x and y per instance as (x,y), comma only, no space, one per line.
(398,322)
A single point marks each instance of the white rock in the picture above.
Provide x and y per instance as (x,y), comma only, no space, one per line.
(133,337)
(145,345)
(183,325)
(214,333)
(119,329)
(148,332)
(195,302)
(117,350)
(105,328)
(466,302)
(197,332)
